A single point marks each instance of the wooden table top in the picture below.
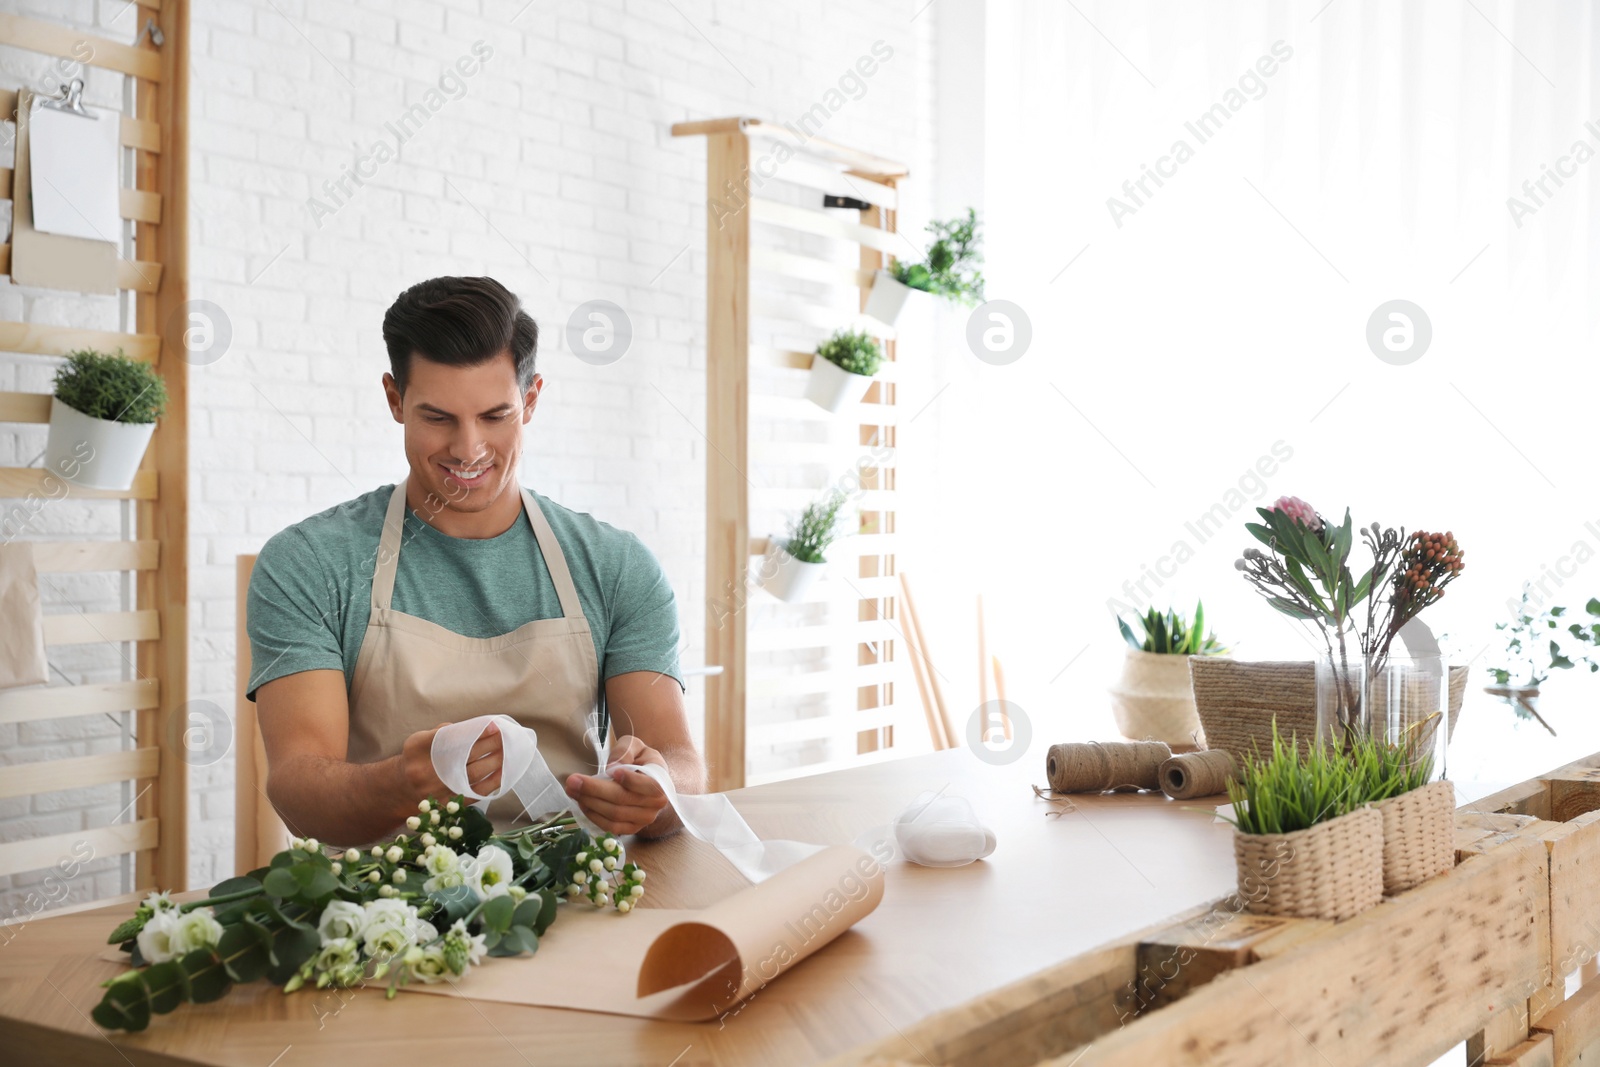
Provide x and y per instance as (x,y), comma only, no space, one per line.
(1055,886)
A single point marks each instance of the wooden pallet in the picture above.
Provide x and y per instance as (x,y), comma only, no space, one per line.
(1480,954)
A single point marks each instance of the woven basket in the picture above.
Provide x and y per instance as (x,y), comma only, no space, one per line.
(1332,870)
(1418,835)
(1238,700)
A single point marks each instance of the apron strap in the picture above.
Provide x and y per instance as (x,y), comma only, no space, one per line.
(554,559)
(389,549)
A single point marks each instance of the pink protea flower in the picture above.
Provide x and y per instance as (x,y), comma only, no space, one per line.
(1299,511)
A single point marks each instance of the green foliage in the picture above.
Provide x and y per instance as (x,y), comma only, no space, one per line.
(951,267)
(855,351)
(111,387)
(816,529)
(1173,634)
(1534,643)
(1282,793)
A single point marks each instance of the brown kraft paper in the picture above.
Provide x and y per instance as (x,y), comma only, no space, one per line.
(691,966)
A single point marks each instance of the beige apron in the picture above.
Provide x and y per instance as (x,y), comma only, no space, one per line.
(412,674)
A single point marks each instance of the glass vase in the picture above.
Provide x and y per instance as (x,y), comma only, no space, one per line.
(1409,700)
(1342,704)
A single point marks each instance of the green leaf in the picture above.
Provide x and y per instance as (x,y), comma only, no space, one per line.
(243,953)
(1260,533)
(168,986)
(208,980)
(515,942)
(1127,634)
(127,930)
(1290,608)
(281,882)
(293,946)
(1593,607)
(230,886)
(475,830)
(457,902)
(547,912)
(497,912)
(126,1004)
(1556,658)
(1557,612)
(527,913)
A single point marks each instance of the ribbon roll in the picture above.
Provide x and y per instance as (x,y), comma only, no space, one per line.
(710,817)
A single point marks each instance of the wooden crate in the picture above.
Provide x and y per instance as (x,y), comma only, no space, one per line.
(1481,954)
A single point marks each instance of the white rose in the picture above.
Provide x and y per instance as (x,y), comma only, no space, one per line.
(340,952)
(196,929)
(155,940)
(443,861)
(427,964)
(491,872)
(342,919)
(390,927)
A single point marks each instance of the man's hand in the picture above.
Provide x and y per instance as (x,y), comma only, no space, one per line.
(627,802)
(483,764)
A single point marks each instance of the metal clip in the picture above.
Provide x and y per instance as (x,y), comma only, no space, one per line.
(152,31)
(70,100)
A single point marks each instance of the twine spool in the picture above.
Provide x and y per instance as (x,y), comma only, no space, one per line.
(1196,774)
(1092,767)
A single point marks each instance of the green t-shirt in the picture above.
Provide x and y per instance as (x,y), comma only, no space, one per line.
(311,589)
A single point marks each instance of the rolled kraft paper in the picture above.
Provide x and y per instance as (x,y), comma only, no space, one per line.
(1093,767)
(1196,774)
(686,965)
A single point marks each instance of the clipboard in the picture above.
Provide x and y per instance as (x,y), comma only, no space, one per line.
(46,260)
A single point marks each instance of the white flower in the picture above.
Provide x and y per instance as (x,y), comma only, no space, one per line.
(351,855)
(636,891)
(428,840)
(433,818)
(582,857)
(194,930)
(455,832)
(394,854)
(444,869)
(377,852)
(413,823)
(391,927)
(474,943)
(159,902)
(375,876)
(596,866)
(424,807)
(312,845)
(426,964)
(452,807)
(155,940)
(610,844)
(489,873)
(338,952)
(638,876)
(342,920)
(611,863)
(399,876)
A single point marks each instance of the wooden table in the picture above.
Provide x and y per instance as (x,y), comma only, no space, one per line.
(1064,878)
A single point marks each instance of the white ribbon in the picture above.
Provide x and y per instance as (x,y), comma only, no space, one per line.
(710,817)
(934,830)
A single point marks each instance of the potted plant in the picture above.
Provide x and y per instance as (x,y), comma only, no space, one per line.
(101,418)
(1305,574)
(1153,700)
(842,369)
(1418,814)
(950,270)
(1534,643)
(1305,841)
(801,558)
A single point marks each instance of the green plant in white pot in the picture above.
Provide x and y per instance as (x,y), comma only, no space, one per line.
(950,270)
(842,369)
(104,411)
(800,559)
(1153,700)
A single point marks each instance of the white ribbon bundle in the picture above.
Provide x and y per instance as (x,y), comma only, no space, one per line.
(711,817)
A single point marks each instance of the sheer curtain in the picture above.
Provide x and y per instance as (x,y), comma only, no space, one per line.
(1200,208)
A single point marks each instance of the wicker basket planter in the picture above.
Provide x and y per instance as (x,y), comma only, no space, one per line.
(1237,701)
(1333,870)
(1152,700)
(1418,835)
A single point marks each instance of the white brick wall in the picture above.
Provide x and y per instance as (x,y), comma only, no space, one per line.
(555,172)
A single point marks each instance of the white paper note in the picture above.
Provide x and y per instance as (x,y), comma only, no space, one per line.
(74,163)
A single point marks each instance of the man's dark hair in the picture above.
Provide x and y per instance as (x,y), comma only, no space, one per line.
(461,322)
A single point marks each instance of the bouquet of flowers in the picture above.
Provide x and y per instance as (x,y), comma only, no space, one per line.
(1305,574)
(427,906)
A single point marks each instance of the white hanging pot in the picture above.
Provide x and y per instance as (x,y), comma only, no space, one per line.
(1154,701)
(832,387)
(787,578)
(94,453)
(887,298)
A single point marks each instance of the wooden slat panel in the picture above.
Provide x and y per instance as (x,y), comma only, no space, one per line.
(789,359)
(18,31)
(810,729)
(803,410)
(823,225)
(826,319)
(132,203)
(65,701)
(82,628)
(139,276)
(841,680)
(25,407)
(21,481)
(798,170)
(777,639)
(135,132)
(41,852)
(826,453)
(59,340)
(807,268)
(22,779)
(868,500)
(64,556)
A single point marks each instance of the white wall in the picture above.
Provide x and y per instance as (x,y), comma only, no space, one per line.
(553,171)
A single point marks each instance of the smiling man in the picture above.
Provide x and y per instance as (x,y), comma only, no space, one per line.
(460,593)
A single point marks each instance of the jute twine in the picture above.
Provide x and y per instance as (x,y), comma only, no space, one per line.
(1196,774)
(1418,835)
(1093,767)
